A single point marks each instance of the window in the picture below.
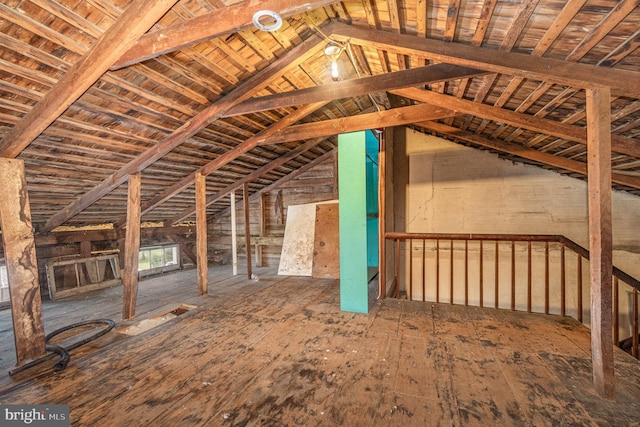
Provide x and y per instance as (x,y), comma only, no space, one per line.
(77,275)
(159,259)
(4,284)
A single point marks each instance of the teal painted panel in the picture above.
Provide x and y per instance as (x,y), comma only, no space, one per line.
(372,144)
(352,186)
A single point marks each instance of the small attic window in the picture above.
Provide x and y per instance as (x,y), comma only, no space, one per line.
(158,259)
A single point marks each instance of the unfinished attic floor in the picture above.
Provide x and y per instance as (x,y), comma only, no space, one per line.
(279,352)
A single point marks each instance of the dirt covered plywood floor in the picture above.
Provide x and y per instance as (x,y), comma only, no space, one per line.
(278,352)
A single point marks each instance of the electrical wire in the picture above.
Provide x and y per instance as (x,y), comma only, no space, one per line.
(64,351)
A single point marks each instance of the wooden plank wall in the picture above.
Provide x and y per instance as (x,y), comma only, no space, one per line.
(315,185)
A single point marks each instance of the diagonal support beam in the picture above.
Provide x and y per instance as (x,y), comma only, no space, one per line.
(135,21)
(227,157)
(230,19)
(261,79)
(620,144)
(356,87)
(250,177)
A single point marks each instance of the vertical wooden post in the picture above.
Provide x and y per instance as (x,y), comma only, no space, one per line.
(131,248)
(382,220)
(234,234)
(263,229)
(201,233)
(247,227)
(600,237)
(22,266)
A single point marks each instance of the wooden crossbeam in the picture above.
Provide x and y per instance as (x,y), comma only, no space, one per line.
(393,117)
(227,157)
(550,70)
(355,87)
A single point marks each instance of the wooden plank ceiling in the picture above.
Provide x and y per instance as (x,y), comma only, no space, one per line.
(94,90)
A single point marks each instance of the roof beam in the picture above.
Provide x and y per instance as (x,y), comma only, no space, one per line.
(523,152)
(135,21)
(355,87)
(393,117)
(230,19)
(260,79)
(620,144)
(516,64)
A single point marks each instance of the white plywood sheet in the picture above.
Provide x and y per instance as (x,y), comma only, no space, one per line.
(296,258)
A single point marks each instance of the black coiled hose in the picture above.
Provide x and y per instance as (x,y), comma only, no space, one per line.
(64,351)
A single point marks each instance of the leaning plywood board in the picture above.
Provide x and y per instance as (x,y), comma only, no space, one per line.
(326,244)
(297,248)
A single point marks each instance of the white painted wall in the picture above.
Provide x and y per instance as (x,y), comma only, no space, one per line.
(457,189)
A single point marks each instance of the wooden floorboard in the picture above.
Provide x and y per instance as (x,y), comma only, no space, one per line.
(278,351)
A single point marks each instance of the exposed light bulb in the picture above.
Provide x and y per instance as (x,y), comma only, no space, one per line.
(334,69)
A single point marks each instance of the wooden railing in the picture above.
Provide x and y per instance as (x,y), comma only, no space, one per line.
(518,272)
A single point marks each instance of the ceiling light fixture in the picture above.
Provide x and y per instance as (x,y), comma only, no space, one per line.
(267,20)
(333,50)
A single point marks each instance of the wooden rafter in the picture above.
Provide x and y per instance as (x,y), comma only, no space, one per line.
(453,10)
(292,59)
(137,19)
